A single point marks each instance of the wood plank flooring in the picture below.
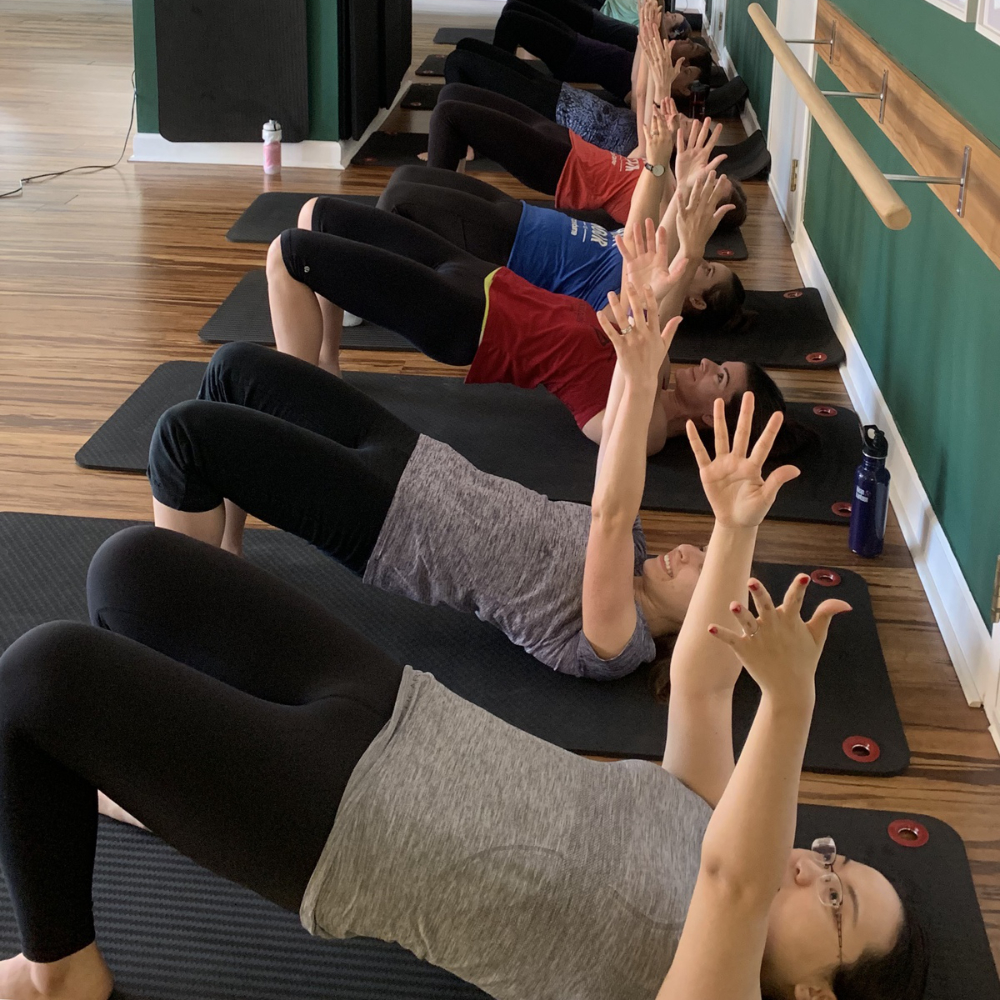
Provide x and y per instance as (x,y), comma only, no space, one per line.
(104,276)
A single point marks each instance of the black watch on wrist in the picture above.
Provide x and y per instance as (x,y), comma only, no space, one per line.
(656,169)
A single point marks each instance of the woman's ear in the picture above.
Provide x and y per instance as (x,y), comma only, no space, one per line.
(697,303)
(803,992)
(708,419)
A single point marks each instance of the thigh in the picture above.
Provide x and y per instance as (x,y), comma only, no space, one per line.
(448,180)
(486,228)
(245,787)
(334,497)
(578,16)
(532,89)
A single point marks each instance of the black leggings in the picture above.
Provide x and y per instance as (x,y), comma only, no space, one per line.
(529,145)
(290,444)
(567,53)
(392,272)
(226,714)
(588,20)
(466,211)
(482,65)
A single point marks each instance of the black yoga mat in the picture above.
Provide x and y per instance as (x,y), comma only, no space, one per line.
(45,561)
(727,100)
(171,930)
(515,433)
(393,149)
(434,66)
(452,36)
(747,160)
(786,330)
(421,96)
(717,76)
(726,245)
(272,213)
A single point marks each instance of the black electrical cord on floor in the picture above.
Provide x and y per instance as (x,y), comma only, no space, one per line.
(92,168)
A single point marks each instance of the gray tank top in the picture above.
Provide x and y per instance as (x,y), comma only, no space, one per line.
(458,536)
(524,869)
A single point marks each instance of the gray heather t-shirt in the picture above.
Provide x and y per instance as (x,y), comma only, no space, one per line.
(522,868)
(458,536)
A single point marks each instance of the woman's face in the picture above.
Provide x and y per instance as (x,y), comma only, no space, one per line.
(710,274)
(671,578)
(685,48)
(687,76)
(802,944)
(697,388)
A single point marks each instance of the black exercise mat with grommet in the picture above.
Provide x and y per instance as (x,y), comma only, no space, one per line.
(434,66)
(452,36)
(421,96)
(728,100)
(747,160)
(394,149)
(45,565)
(270,214)
(169,927)
(522,434)
(788,329)
(725,245)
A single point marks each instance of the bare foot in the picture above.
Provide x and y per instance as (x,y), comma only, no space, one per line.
(84,975)
(112,810)
(423,156)
(333,367)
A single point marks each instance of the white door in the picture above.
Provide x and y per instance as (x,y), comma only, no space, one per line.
(788,120)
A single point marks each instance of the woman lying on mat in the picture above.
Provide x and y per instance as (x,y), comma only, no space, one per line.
(575,58)
(566,255)
(593,22)
(258,735)
(606,125)
(541,154)
(461,310)
(306,452)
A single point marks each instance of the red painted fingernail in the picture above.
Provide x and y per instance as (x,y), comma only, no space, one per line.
(803,580)
(714,630)
(753,586)
(737,608)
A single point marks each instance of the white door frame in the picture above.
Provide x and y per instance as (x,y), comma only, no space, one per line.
(800,18)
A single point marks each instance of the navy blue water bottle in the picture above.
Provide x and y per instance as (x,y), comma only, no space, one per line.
(870,506)
(699,99)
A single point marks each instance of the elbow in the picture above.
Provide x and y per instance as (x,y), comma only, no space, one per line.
(608,517)
(734,885)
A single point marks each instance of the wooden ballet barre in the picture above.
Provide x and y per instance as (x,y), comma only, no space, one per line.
(891,209)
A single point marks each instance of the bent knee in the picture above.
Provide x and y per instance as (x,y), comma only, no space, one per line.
(306,214)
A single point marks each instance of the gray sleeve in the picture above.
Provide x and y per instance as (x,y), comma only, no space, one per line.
(640,649)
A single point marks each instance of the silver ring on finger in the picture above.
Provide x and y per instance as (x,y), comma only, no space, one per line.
(753,634)
(627,329)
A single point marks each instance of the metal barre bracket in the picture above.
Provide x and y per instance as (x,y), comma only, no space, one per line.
(880,96)
(961,181)
(831,41)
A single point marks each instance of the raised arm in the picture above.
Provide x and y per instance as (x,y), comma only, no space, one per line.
(609,615)
(746,846)
(703,671)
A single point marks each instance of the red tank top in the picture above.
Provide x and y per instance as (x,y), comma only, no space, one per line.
(532,337)
(596,178)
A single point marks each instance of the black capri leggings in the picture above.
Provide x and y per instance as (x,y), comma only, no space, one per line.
(464,210)
(532,147)
(569,54)
(287,442)
(482,65)
(588,20)
(392,272)
(218,705)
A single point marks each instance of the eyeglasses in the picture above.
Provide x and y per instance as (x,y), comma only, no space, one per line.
(831,889)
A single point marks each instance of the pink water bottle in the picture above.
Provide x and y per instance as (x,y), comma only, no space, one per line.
(272,147)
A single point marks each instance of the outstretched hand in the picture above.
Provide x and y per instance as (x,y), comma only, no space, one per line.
(635,334)
(659,135)
(646,253)
(695,146)
(779,650)
(733,480)
(697,216)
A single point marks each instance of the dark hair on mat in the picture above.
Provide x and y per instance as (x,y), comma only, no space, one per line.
(723,310)
(898,974)
(659,674)
(702,61)
(736,216)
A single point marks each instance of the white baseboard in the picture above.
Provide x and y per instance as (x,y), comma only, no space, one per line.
(150,147)
(473,8)
(966,637)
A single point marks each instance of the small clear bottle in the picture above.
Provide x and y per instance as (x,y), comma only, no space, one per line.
(271,135)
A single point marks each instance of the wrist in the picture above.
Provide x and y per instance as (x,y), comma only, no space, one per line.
(791,702)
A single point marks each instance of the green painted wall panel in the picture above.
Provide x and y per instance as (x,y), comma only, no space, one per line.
(324,82)
(925,305)
(750,53)
(949,56)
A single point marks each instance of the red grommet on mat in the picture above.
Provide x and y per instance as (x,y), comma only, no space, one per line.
(908,833)
(825,577)
(823,410)
(816,358)
(862,749)
(841,508)
(725,253)
(795,294)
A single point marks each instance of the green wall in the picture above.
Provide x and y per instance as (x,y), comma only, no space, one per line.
(750,53)
(324,112)
(925,306)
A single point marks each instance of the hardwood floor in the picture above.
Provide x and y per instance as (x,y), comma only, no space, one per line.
(104,276)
